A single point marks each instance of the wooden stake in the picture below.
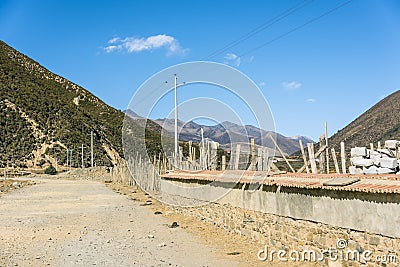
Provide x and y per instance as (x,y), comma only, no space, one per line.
(165,164)
(180,156)
(312,157)
(159,164)
(153,168)
(223,163)
(335,160)
(266,165)
(327,147)
(320,150)
(190,151)
(304,156)
(259,159)
(343,156)
(322,157)
(237,157)
(283,155)
(253,155)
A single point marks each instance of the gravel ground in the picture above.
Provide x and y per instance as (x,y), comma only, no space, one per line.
(84,223)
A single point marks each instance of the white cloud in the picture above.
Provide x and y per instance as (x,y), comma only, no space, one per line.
(136,45)
(111,48)
(262,84)
(233,59)
(311,100)
(291,85)
(113,40)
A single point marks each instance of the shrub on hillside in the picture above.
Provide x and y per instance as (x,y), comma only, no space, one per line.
(50,170)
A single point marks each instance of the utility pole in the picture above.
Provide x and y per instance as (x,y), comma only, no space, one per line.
(176,145)
(83,165)
(91,148)
(176,119)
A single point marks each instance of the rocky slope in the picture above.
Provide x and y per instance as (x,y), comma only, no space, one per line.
(381,122)
(42,114)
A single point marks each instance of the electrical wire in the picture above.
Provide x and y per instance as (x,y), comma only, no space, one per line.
(260,28)
(266,25)
(297,28)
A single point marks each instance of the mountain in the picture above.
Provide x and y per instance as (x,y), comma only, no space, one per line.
(304,139)
(224,132)
(42,114)
(381,122)
(149,124)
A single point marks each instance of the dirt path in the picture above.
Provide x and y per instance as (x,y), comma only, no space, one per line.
(84,223)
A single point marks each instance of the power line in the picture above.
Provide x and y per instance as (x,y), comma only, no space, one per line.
(260,28)
(264,26)
(243,38)
(297,28)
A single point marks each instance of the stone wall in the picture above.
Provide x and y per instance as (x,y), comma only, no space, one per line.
(284,233)
(291,218)
(362,211)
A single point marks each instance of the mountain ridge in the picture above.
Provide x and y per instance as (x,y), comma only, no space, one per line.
(225,131)
(381,122)
(43,114)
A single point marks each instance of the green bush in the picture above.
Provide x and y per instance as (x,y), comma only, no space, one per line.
(50,170)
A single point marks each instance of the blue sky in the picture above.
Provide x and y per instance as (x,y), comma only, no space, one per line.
(332,69)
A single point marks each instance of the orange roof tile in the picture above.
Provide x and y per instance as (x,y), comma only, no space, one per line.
(374,183)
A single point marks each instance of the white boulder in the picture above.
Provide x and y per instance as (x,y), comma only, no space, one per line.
(385,171)
(363,162)
(355,170)
(370,170)
(358,152)
(391,144)
(390,163)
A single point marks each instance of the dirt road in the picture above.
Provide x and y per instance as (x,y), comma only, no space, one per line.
(84,223)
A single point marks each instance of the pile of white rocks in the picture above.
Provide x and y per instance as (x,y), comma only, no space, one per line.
(380,161)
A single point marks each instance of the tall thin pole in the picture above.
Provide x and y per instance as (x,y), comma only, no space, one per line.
(176,118)
(327,147)
(91,148)
(202,154)
(67,158)
(70,159)
(83,165)
(304,155)
(343,156)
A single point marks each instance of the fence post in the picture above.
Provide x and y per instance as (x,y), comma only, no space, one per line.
(310,147)
(237,157)
(343,156)
(223,163)
(304,156)
(335,160)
